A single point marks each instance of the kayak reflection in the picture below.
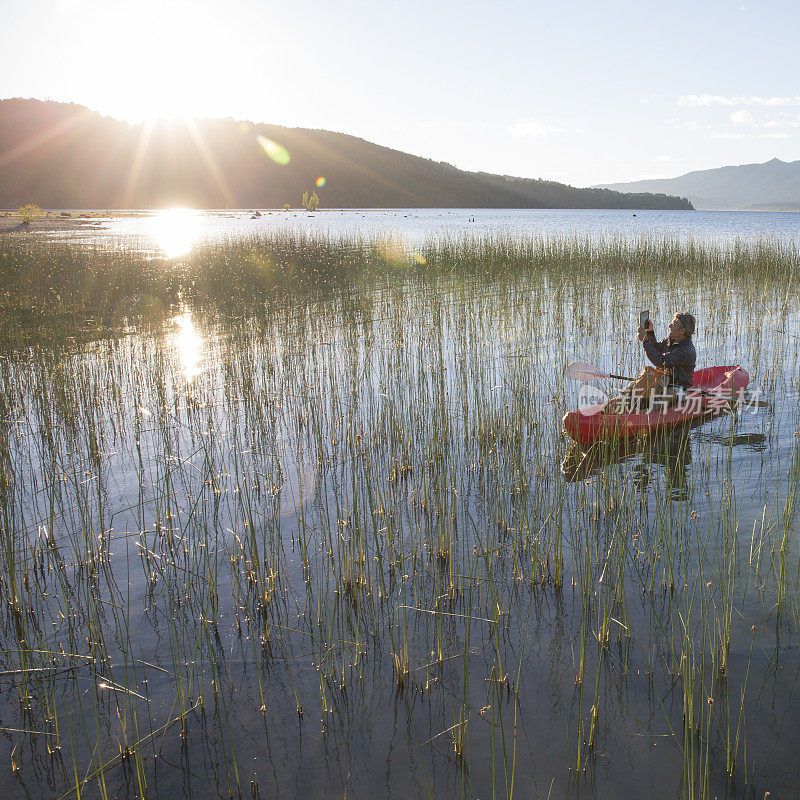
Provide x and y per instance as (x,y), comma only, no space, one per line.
(670,449)
(756,442)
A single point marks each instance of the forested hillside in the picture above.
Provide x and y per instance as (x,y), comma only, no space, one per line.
(61,155)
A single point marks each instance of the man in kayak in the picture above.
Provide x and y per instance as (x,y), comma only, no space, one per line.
(674,359)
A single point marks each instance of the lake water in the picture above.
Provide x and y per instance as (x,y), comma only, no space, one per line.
(339,546)
(173,232)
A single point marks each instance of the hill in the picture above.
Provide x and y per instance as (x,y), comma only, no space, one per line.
(771,186)
(61,155)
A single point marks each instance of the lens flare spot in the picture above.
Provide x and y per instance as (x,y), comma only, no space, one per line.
(277,152)
(321,182)
(394,251)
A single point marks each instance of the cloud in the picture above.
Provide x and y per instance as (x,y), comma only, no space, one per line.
(746,119)
(742,118)
(710,100)
(749,135)
(528,128)
(781,123)
(663,158)
(694,100)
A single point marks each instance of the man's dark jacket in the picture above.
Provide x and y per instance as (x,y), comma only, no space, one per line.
(679,359)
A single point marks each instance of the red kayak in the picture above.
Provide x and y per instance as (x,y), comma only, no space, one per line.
(719,386)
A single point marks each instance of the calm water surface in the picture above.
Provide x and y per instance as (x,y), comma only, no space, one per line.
(316,550)
(175,231)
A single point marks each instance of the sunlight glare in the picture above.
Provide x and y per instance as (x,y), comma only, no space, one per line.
(189,344)
(175,230)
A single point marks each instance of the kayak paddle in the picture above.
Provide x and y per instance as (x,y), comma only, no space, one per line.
(580,371)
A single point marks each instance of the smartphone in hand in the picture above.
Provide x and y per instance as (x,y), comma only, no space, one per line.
(644,318)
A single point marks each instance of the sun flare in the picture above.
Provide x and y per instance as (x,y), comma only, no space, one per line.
(175,230)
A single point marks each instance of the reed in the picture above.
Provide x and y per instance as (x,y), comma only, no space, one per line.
(345,492)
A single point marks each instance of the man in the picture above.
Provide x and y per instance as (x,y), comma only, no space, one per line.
(675,359)
(675,354)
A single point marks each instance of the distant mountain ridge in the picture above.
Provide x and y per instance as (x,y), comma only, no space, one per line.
(771,186)
(61,155)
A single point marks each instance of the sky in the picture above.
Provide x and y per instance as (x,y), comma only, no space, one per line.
(580,91)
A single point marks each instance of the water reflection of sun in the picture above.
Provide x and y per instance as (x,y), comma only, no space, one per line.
(189,344)
(175,230)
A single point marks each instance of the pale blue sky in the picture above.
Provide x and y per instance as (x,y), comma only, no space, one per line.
(582,92)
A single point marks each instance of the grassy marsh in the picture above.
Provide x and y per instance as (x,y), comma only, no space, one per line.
(289,516)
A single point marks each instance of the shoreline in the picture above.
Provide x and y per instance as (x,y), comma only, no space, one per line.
(48,221)
(59,223)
